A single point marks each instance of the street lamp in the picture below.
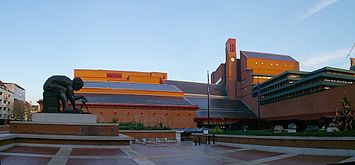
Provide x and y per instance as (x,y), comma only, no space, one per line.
(208,99)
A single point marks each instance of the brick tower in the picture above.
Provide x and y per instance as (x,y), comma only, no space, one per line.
(231,67)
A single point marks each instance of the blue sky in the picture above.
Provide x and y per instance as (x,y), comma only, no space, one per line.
(181,37)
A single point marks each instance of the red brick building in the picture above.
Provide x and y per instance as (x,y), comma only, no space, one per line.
(274,89)
(257,85)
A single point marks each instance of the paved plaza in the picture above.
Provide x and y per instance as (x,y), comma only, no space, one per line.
(150,154)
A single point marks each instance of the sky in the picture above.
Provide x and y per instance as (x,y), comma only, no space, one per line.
(184,38)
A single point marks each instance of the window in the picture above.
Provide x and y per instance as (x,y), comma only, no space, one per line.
(219,81)
(114,75)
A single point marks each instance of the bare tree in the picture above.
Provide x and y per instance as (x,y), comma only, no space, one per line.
(344,116)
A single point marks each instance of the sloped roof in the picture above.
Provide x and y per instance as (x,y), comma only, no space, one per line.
(198,88)
(136,100)
(219,108)
(132,86)
(270,56)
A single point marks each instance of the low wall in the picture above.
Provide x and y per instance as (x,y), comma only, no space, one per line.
(7,139)
(98,129)
(4,128)
(140,134)
(286,141)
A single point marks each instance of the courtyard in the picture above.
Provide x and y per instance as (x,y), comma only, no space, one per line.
(150,154)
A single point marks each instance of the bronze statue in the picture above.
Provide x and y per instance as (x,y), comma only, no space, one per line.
(62,88)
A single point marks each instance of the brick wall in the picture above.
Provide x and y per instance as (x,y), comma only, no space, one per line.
(309,107)
(149,116)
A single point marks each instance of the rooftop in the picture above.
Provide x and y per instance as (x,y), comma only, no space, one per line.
(132,86)
(225,108)
(279,57)
(198,88)
(136,100)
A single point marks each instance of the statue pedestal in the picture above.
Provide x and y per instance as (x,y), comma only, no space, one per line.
(97,129)
(64,128)
(64,118)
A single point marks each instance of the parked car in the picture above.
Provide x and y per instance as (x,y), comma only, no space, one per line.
(312,128)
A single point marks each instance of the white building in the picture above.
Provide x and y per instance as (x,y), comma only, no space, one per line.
(6,104)
(19,100)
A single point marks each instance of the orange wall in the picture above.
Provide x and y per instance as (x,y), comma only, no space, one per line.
(120,76)
(129,92)
(270,67)
(263,67)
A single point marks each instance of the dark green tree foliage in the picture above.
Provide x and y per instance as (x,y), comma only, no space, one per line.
(344,116)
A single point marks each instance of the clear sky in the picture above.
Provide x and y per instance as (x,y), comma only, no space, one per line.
(184,38)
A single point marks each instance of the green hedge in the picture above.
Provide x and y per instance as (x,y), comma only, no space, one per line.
(140,126)
(270,133)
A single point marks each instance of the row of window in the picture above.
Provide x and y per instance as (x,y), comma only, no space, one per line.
(289,88)
(270,97)
(279,85)
(275,86)
(293,76)
(5,108)
(263,77)
(7,96)
(262,63)
(294,94)
(154,113)
(338,81)
(343,74)
(5,101)
(5,116)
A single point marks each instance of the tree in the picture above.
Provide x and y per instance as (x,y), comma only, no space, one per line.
(27,111)
(344,116)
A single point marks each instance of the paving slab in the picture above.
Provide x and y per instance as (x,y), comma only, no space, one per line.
(96,152)
(249,155)
(155,154)
(19,160)
(32,150)
(308,160)
(73,161)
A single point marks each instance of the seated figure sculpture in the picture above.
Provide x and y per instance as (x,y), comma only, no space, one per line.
(61,88)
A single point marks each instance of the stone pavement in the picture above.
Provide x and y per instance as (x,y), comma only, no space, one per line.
(153,154)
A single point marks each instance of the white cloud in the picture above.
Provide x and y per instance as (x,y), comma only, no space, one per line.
(335,58)
(320,5)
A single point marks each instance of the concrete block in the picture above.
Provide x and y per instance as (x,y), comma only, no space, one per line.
(64,118)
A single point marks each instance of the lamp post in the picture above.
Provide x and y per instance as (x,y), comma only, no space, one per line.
(259,118)
(208,99)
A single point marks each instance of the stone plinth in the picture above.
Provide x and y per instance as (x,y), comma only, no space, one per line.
(64,118)
(97,129)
